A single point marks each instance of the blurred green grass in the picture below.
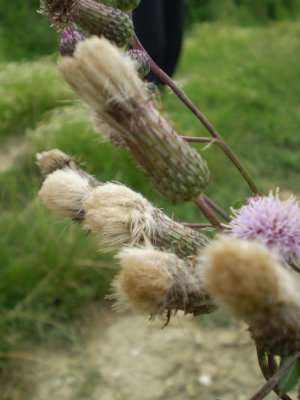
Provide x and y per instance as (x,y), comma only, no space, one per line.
(27,91)
(246,82)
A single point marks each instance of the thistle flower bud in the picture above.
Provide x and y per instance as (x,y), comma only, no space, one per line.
(125,5)
(68,39)
(94,17)
(112,88)
(121,217)
(248,279)
(64,192)
(155,282)
(141,60)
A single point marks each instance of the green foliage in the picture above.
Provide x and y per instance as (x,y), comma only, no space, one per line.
(235,75)
(23,32)
(291,379)
(28,91)
(242,11)
(46,277)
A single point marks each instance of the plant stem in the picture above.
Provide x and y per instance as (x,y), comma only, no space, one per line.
(136,44)
(268,368)
(216,208)
(273,381)
(197,225)
(206,210)
(193,139)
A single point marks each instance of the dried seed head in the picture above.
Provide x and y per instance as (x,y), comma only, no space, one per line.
(119,216)
(111,86)
(168,234)
(114,82)
(68,40)
(50,161)
(154,282)
(64,192)
(59,11)
(144,283)
(248,279)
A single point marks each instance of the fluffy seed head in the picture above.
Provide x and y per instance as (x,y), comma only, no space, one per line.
(145,279)
(272,222)
(117,95)
(49,161)
(115,82)
(247,278)
(119,216)
(153,282)
(64,192)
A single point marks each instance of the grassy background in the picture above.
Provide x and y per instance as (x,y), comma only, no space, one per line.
(246,80)
(25,35)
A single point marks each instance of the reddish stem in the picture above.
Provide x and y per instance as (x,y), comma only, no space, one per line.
(198,225)
(205,209)
(273,381)
(193,139)
(216,208)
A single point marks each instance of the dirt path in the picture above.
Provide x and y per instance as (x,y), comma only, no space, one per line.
(126,358)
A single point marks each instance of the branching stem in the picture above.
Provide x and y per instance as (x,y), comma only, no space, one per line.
(136,44)
(267,366)
(208,213)
(221,213)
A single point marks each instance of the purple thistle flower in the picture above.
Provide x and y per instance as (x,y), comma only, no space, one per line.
(270,221)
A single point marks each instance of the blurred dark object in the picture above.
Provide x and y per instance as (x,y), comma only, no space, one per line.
(159,26)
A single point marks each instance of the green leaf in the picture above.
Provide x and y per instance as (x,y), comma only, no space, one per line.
(291,378)
(238,204)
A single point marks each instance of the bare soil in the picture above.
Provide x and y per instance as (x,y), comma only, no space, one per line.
(125,357)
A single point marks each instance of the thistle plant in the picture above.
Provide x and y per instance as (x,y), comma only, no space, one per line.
(94,17)
(245,265)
